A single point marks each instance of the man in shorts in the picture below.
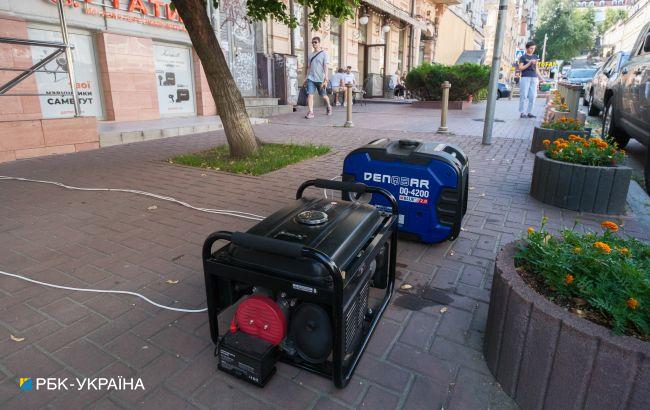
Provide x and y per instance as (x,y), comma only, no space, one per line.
(316,81)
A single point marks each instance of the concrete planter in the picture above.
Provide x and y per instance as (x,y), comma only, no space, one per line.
(583,188)
(541,134)
(546,357)
(437,105)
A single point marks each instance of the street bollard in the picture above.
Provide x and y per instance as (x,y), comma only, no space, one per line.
(348,100)
(445,106)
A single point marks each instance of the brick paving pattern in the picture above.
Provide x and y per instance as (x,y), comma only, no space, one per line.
(421,357)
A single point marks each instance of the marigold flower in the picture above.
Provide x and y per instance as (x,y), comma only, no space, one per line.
(579,151)
(632,303)
(577,249)
(624,251)
(531,230)
(603,247)
(586,144)
(609,225)
(546,142)
(568,279)
(571,120)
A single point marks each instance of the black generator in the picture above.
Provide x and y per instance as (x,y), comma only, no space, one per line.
(310,282)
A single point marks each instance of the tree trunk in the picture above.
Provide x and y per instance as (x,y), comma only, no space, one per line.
(226,95)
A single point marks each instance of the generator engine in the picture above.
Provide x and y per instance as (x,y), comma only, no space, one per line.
(310,282)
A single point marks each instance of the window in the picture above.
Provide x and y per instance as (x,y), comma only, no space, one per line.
(174,79)
(58,103)
(335,44)
(400,50)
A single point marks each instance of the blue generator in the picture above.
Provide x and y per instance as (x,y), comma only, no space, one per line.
(429,179)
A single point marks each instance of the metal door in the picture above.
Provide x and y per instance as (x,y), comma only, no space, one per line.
(237,38)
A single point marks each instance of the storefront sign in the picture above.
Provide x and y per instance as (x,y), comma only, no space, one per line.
(58,101)
(134,11)
(174,80)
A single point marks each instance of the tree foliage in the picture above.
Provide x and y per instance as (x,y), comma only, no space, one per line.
(570,32)
(318,10)
(612,16)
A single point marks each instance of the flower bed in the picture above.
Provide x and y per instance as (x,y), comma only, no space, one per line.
(582,175)
(544,355)
(579,150)
(553,130)
(602,277)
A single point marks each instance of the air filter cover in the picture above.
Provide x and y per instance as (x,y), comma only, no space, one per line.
(260,316)
(312,332)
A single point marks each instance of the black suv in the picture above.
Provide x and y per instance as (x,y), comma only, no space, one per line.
(627,107)
(603,80)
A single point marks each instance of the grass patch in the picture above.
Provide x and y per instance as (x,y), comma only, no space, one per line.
(269,157)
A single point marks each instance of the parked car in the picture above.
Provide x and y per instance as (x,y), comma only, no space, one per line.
(627,107)
(603,80)
(564,71)
(503,90)
(580,76)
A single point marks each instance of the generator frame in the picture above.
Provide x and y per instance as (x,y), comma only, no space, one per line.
(218,299)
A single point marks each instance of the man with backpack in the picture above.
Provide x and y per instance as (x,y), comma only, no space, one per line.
(316,81)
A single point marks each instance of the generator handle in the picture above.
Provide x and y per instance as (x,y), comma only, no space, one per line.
(268,245)
(211,239)
(349,186)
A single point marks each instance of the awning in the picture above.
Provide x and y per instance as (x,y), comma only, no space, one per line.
(386,7)
(471,56)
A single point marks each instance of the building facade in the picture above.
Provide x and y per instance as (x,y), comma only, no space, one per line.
(134,61)
(601,6)
(623,34)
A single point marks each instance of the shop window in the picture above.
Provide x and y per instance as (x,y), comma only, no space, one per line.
(58,101)
(174,80)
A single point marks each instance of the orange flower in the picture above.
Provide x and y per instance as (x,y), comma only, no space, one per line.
(579,151)
(586,144)
(603,247)
(624,251)
(632,303)
(531,230)
(609,225)
(577,249)
(571,120)
(568,279)
(546,142)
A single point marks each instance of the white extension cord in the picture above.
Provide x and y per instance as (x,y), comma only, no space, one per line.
(237,214)
(121,292)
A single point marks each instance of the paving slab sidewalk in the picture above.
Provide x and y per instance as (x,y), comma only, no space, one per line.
(419,358)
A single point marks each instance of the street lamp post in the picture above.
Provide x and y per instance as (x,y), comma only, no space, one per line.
(494,73)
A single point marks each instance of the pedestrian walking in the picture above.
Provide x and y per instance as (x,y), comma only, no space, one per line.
(529,80)
(316,81)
